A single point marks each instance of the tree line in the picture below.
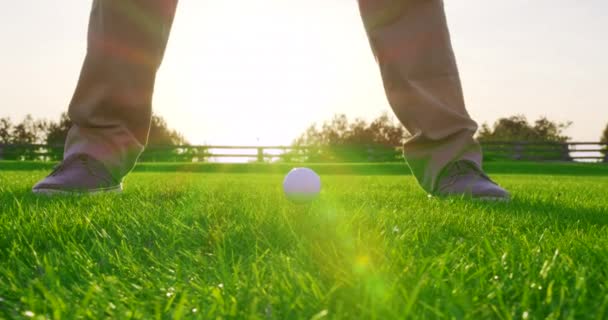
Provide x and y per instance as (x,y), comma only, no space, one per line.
(339,139)
(53,133)
(383,131)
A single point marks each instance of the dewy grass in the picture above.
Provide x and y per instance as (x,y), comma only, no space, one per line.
(229,245)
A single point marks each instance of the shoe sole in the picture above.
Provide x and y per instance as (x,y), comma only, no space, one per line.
(469,197)
(494,199)
(58,192)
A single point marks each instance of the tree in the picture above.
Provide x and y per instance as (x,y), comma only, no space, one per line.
(162,142)
(32,131)
(28,131)
(517,128)
(604,139)
(57,132)
(339,132)
(546,135)
(162,135)
(341,140)
(6,129)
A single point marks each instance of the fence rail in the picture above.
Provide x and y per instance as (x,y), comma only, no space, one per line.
(518,150)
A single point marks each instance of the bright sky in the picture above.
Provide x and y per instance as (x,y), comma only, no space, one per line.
(260,71)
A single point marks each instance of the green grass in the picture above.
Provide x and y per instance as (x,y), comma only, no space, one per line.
(228,245)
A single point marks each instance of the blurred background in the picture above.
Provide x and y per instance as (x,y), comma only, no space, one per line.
(243,72)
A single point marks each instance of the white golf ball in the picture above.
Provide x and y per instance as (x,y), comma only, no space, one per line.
(302,185)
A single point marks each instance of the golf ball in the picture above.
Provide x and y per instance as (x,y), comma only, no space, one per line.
(302,185)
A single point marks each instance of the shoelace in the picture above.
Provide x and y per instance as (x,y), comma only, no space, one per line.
(59,167)
(461,168)
(83,161)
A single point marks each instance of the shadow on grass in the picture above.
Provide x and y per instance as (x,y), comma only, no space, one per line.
(551,213)
(306,233)
(399,168)
(539,209)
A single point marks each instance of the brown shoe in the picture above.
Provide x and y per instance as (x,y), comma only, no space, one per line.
(78,174)
(465,178)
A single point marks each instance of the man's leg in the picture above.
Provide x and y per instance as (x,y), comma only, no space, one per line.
(111,107)
(411,42)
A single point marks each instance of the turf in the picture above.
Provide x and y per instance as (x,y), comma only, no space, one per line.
(229,245)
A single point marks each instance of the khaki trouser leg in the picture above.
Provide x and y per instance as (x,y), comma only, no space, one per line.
(411,42)
(111,107)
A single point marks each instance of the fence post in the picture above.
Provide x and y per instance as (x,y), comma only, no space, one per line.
(260,154)
(566,152)
(202,154)
(518,150)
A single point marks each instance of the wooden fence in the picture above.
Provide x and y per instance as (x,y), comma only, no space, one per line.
(531,151)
